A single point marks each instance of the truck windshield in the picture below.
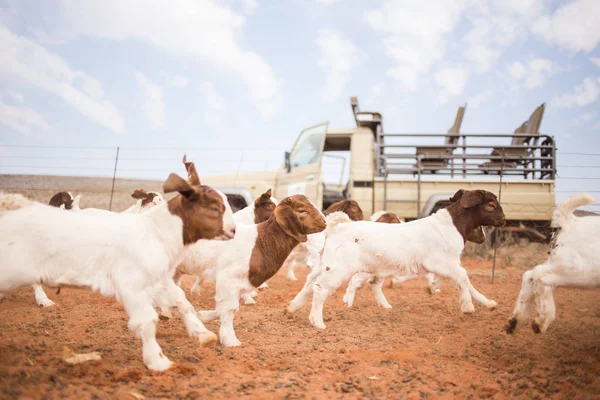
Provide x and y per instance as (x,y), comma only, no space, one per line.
(309,146)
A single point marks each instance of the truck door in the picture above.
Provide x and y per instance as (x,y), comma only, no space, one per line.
(303,173)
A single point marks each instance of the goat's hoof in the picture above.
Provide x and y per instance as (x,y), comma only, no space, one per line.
(263,286)
(292,278)
(46,303)
(231,342)
(491,305)
(511,326)
(249,301)
(317,324)
(388,306)
(207,339)
(538,327)
(468,309)
(158,363)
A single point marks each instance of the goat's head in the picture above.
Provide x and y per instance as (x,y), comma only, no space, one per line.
(388,218)
(205,212)
(149,199)
(349,207)
(264,205)
(64,199)
(474,208)
(298,216)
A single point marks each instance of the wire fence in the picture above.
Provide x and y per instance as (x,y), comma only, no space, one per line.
(106,176)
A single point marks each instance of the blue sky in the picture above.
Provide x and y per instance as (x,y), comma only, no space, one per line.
(250,74)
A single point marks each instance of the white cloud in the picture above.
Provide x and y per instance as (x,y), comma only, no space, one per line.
(153,106)
(517,70)
(452,81)
(250,6)
(495,25)
(533,73)
(338,57)
(214,105)
(326,2)
(573,25)
(584,118)
(596,60)
(16,96)
(179,81)
(29,62)
(202,30)
(478,99)
(22,119)
(414,34)
(583,94)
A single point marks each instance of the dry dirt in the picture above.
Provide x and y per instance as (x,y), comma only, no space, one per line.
(422,348)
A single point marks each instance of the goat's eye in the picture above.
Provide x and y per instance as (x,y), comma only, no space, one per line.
(302,211)
(214,209)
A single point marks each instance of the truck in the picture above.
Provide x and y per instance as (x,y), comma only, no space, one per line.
(411,174)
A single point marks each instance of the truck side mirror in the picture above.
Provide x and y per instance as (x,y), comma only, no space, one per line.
(288,164)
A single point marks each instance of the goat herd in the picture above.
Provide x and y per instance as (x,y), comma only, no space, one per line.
(139,255)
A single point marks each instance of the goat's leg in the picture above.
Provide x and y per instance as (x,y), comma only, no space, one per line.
(40,296)
(227,299)
(290,271)
(142,321)
(194,326)
(177,277)
(326,283)
(433,283)
(196,286)
(545,307)
(302,297)
(376,287)
(522,310)
(459,276)
(355,282)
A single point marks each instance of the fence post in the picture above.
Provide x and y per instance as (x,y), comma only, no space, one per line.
(112,189)
(496,237)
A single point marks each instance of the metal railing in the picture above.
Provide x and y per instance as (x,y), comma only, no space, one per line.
(536,161)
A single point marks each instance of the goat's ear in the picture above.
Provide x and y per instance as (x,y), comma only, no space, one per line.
(266,196)
(290,223)
(175,183)
(471,198)
(139,194)
(193,177)
(457,196)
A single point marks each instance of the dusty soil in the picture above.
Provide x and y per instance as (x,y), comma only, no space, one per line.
(422,348)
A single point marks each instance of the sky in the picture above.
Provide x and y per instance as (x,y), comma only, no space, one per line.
(233,82)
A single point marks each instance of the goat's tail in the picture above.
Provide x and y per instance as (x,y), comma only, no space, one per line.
(564,211)
(336,218)
(13,201)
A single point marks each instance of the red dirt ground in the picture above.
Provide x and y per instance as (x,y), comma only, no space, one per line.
(422,348)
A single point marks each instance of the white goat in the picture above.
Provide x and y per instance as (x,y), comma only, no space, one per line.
(308,254)
(129,256)
(259,211)
(432,244)
(253,256)
(573,262)
(145,201)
